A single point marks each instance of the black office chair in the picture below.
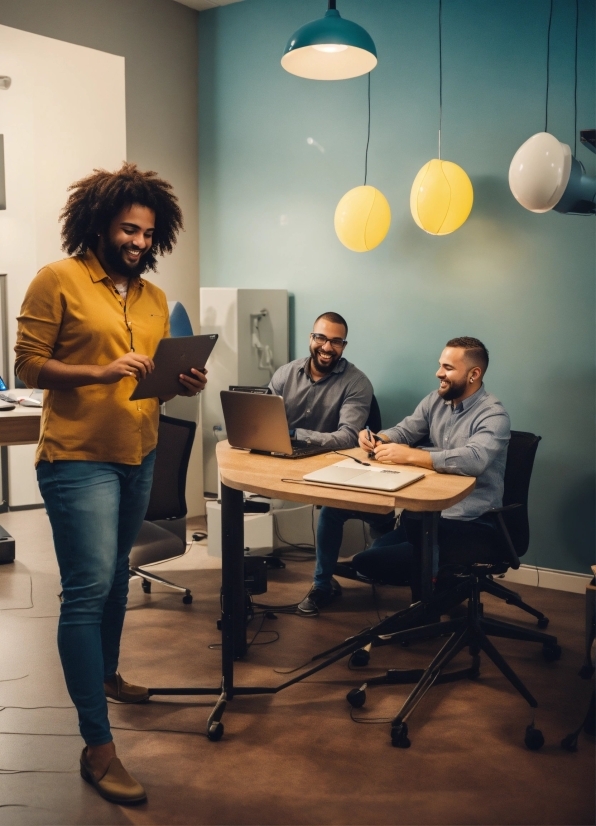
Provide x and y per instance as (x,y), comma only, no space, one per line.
(518,472)
(163,533)
(374,416)
(457,584)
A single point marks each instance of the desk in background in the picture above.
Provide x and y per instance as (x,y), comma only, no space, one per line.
(17,427)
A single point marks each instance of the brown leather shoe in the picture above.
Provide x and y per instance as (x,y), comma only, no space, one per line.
(116,785)
(119,689)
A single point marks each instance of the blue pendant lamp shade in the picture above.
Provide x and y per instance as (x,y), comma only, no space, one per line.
(330,49)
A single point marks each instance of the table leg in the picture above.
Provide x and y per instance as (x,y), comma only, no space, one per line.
(233,619)
(430,554)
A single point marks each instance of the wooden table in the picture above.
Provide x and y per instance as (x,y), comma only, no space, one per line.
(282,479)
(241,470)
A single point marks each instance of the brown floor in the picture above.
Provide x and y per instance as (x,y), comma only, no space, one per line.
(296,757)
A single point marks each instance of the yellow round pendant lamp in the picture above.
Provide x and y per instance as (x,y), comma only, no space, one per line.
(362,218)
(330,49)
(441,197)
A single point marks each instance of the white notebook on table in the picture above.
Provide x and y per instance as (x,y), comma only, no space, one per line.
(352,475)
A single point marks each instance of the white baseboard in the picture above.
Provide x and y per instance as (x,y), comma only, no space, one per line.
(549,578)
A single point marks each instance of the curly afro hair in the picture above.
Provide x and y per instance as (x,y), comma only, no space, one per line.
(97,199)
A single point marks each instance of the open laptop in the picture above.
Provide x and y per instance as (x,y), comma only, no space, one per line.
(258,422)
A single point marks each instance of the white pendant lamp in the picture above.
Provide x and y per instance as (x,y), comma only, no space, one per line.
(330,49)
(544,174)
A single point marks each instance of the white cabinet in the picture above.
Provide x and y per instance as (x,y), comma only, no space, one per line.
(252,326)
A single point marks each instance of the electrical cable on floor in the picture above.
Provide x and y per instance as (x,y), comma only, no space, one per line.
(215,645)
(301,546)
(39,771)
(370,720)
(163,730)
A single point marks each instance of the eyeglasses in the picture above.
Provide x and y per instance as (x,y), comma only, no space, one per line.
(337,343)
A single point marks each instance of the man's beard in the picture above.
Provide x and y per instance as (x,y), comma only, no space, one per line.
(453,391)
(321,367)
(113,256)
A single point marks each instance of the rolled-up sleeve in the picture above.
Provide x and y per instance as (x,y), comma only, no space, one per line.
(488,440)
(352,418)
(38,326)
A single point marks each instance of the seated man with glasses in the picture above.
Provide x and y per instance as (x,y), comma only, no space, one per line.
(327,402)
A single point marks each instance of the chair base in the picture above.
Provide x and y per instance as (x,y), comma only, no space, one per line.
(472,632)
(511,598)
(147,579)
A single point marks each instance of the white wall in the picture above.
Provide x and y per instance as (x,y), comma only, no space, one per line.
(63,115)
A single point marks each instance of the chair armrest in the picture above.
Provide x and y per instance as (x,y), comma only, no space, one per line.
(503,509)
(498,513)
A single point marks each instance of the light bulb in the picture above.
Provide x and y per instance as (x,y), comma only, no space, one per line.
(330,48)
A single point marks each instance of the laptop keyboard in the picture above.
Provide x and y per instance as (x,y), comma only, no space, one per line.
(302,448)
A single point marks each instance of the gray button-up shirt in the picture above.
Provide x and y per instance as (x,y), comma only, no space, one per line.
(470,440)
(329,412)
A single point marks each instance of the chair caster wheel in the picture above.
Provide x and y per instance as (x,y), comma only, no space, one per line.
(534,738)
(146,586)
(543,622)
(356,697)
(551,653)
(187,599)
(215,732)
(360,658)
(399,736)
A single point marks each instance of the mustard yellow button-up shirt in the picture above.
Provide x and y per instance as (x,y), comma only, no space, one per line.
(72,312)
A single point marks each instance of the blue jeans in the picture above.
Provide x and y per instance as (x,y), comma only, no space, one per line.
(96,510)
(330,531)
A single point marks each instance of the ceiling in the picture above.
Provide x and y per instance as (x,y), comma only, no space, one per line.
(203,5)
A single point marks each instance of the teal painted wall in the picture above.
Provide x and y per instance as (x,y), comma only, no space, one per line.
(522,283)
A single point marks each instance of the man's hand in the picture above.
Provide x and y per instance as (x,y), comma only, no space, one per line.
(132,364)
(403,455)
(193,384)
(366,443)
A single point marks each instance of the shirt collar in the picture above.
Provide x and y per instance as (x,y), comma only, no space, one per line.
(464,406)
(339,368)
(96,271)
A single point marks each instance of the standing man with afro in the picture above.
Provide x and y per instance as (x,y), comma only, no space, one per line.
(88,327)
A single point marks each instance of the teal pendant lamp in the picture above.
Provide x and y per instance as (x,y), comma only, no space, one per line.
(330,49)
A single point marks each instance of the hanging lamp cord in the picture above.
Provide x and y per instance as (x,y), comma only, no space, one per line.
(550,20)
(575,86)
(368,136)
(331,6)
(440,72)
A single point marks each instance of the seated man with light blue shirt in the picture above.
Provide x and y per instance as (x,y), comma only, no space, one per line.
(468,430)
